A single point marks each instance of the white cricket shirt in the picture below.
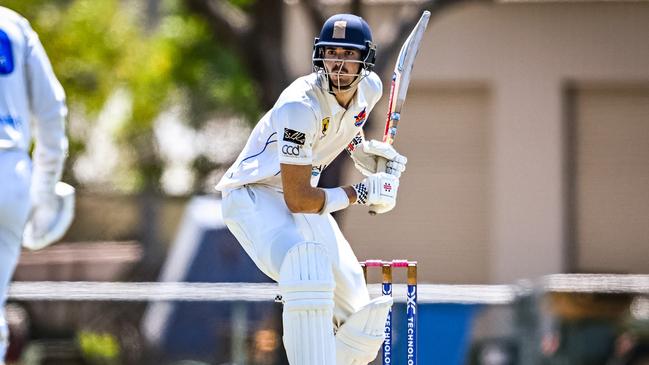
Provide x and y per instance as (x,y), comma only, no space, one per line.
(306,126)
(28,84)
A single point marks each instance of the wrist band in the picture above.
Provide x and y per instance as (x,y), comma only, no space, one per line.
(335,199)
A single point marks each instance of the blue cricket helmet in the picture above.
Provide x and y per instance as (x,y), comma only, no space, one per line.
(347,31)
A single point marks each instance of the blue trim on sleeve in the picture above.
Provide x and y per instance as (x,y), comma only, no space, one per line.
(268,141)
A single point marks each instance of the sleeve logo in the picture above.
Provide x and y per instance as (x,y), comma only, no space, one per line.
(355,142)
(294,136)
(360,118)
(6,54)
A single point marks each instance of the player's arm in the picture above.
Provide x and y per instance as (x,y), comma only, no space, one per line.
(301,197)
(297,126)
(47,101)
(378,190)
(366,154)
(53,203)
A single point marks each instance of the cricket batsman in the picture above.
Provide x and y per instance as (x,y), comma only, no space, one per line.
(273,206)
(31,210)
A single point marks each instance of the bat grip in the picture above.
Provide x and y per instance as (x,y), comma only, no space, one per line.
(381,166)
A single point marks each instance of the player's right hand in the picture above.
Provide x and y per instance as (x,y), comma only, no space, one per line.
(378,190)
(45,210)
(366,157)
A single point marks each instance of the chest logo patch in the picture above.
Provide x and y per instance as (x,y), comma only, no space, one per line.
(359,119)
(294,136)
(325,126)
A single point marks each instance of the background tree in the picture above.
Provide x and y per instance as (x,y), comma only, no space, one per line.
(98,48)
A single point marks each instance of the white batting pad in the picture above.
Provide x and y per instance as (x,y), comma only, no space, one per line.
(359,339)
(306,284)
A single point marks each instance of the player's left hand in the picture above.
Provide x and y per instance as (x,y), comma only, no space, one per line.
(379,191)
(366,156)
(51,216)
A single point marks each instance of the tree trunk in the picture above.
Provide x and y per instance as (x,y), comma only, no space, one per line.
(264,50)
(256,36)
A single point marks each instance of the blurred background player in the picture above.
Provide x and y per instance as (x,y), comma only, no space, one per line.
(271,202)
(28,87)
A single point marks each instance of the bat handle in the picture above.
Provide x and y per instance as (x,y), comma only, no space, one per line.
(381,166)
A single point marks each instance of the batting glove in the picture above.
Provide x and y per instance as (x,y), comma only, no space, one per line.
(366,154)
(378,190)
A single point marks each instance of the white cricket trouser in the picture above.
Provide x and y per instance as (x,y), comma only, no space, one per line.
(15,174)
(262,223)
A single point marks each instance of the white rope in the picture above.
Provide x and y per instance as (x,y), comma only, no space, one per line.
(255,292)
(220,292)
(120,291)
(460,294)
(597,283)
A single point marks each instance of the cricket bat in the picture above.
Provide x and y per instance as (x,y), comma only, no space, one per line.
(400,82)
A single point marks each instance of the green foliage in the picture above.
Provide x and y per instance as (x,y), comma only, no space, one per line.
(242,3)
(98,47)
(211,76)
(87,42)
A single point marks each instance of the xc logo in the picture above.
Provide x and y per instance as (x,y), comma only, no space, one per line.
(291,150)
(411,296)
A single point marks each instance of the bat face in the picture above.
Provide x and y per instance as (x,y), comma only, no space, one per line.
(401,77)
(399,86)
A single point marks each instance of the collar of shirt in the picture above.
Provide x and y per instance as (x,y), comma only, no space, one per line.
(333,104)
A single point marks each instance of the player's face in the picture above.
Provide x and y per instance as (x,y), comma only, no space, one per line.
(342,64)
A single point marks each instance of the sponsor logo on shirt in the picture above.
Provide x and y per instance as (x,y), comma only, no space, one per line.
(325,126)
(294,136)
(360,118)
(291,150)
(387,187)
(355,142)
